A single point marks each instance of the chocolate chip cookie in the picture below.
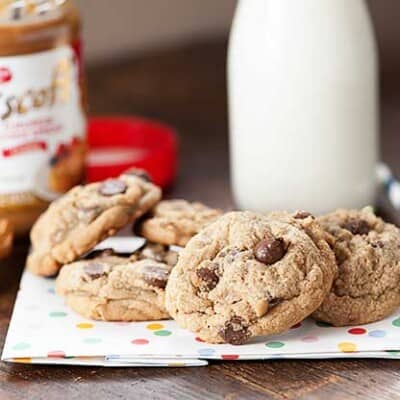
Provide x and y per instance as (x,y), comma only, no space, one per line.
(367,253)
(112,288)
(175,222)
(248,274)
(85,216)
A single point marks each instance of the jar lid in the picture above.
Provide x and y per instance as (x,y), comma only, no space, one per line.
(119,143)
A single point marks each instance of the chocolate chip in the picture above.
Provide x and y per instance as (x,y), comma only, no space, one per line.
(234,331)
(94,270)
(379,244)
(155,276)
(302,215)
(270,250)
(357,226)
(208,276)
(112,187)
(273,303)
(100,253)
(140,173)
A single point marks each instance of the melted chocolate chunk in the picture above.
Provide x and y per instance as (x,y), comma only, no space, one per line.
(100,253)
(112,187)
(208,276)
(302,215)
(94,270)
(273,303)
(155,276)
(235,331)
(357,226)
(270,250)
(140,173)
(379,244)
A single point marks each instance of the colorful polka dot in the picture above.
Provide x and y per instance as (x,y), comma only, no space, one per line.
(154,327)
(163,333)
(206,352)
(379,333)
(198,339)
(21,346)
(347,347)
(57,314)
(22,360)
(322,324)
(229,356)
(56,354)
(393,352)
(357,331)
(51,290)
(309,339)
(84,325)
(274,345)
(396,322)
(140,341)
(92,340)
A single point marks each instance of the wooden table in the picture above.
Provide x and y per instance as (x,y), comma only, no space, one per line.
(186,87)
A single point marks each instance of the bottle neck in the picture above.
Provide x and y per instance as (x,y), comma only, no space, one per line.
(303,8)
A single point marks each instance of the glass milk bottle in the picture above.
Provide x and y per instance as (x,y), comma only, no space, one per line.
(302,80)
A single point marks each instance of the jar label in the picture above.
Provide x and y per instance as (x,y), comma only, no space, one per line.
(42,123)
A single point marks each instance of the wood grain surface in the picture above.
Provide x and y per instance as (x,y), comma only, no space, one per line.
(186,88)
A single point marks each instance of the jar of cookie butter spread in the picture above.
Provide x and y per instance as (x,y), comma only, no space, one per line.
(42,113)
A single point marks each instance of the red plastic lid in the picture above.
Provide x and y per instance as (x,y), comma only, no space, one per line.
(118,143)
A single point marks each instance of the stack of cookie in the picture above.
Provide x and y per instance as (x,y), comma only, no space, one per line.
(105,285)
(238,275)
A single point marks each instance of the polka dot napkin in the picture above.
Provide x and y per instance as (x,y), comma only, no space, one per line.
(43,330)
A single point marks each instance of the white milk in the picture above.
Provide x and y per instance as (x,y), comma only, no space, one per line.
(303,105)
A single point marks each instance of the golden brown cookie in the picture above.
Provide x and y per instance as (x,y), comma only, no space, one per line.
(248,274)
(85,216)
(112,288)
(175,222)
(367,251)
